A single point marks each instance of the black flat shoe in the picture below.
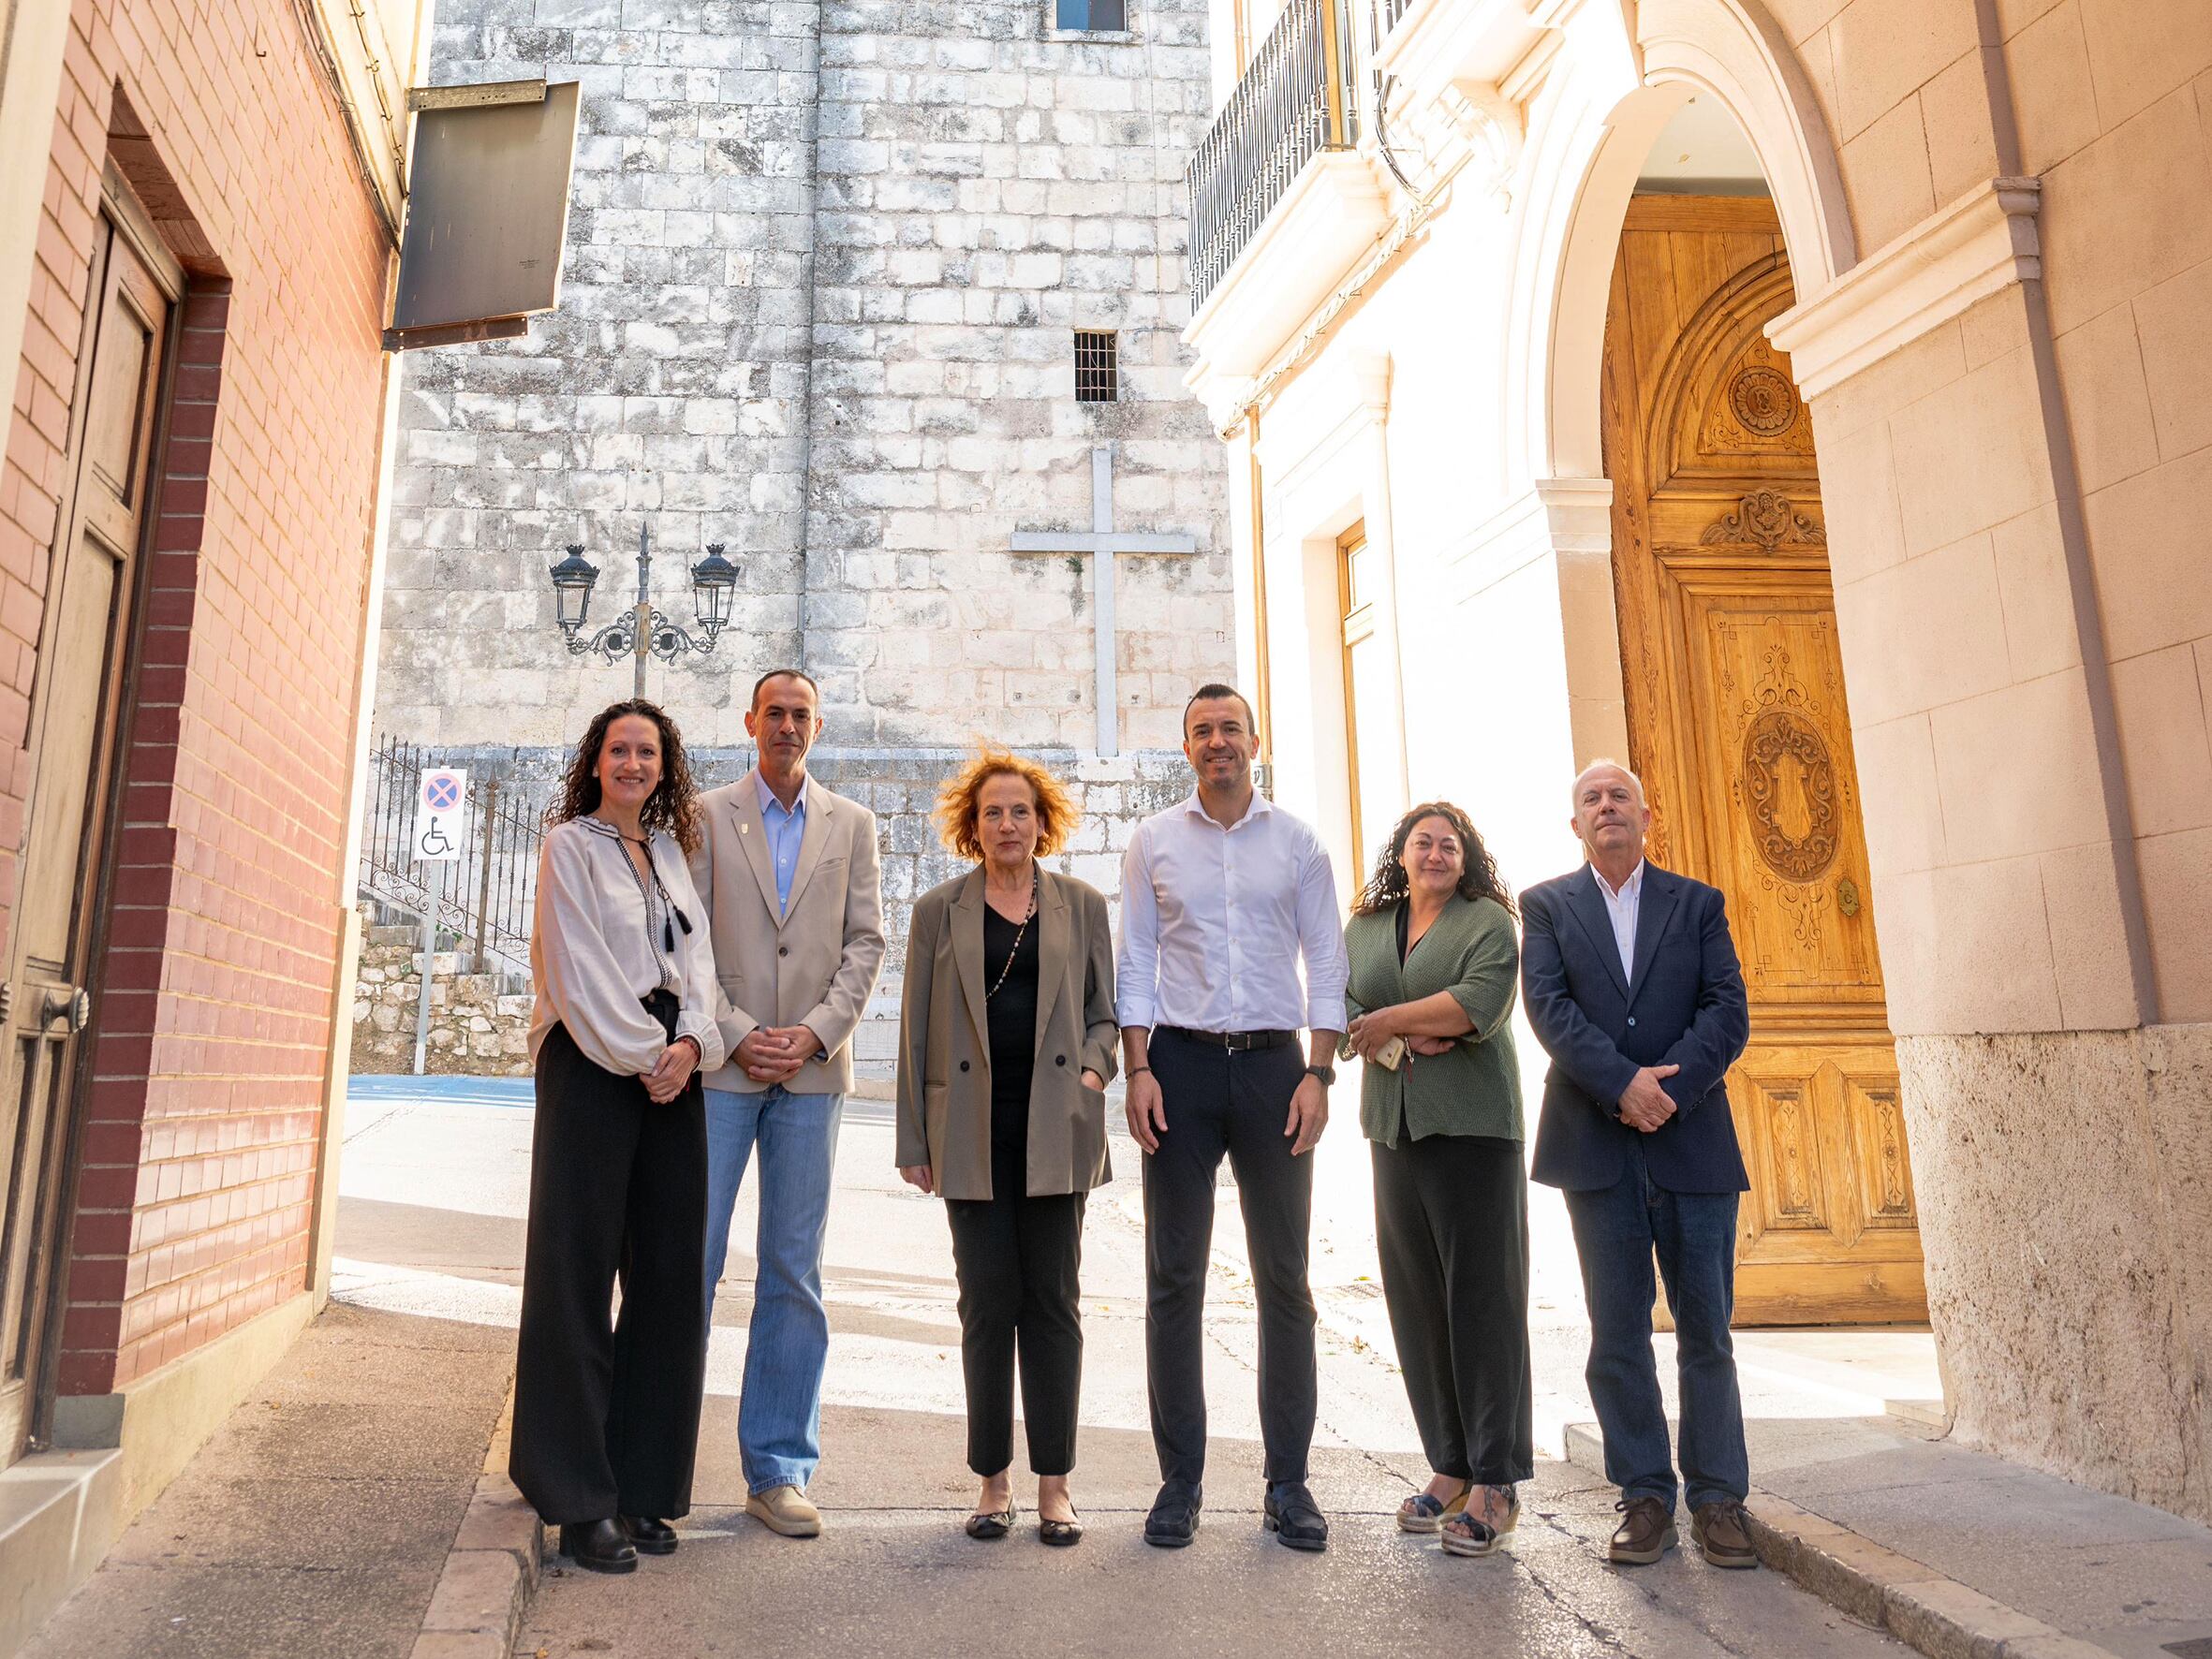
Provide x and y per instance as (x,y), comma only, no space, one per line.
(1173,1521)
(1059,1534)
(599,1546)
(1291,1515)
(993,1524)
(651,1536)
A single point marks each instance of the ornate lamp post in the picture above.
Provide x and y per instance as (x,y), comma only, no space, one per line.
(641,631)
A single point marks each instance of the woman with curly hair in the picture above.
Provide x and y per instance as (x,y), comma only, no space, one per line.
(1435,965)
(606,1416)
(1006,1044)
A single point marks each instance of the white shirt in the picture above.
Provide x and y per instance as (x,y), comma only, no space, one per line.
(599,948)
(1214,922)
(1622,906)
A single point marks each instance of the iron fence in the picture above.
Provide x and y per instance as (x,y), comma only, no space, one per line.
(485,897)
(1295,100)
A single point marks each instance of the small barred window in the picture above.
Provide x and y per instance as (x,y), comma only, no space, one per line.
(1098,374)
(1098,15)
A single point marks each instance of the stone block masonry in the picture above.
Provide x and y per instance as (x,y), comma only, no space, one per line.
(826,261)
(480,1023)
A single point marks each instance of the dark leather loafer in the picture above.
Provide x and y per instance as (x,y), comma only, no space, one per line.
(1173,1521)
(1291,1515)
(1719,1531)
(599,1546)
(650,1536)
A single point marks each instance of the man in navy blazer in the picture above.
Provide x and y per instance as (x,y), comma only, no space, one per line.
(1630,982)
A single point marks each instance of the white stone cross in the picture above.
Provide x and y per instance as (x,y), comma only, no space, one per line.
(1102,542)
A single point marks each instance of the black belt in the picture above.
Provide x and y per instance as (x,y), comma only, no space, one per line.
(1236,1042)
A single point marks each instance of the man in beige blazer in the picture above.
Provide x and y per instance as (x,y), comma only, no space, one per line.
(788,873)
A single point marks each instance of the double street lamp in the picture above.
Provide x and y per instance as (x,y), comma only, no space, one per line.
(642,632)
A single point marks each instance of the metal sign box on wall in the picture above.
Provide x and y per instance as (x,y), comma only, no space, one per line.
(487,212)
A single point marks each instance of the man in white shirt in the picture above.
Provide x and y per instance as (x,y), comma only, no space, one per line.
(1222,895)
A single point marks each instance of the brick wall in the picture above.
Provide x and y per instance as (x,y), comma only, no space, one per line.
(212,1036)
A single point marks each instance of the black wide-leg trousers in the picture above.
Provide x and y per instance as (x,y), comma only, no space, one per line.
(606,1409)
(1237,1103)
(1020,1262)
(1451,1224)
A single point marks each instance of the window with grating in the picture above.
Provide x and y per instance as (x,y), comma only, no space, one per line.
(1100,16)
(1097,374)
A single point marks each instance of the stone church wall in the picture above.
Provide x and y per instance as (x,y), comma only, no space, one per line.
(825,263)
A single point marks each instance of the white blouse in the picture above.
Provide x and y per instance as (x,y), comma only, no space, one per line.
(599,949)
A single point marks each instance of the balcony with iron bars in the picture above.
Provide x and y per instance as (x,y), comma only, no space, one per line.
(1283,202)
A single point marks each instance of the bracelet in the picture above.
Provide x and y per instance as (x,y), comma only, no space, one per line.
(1139,1071)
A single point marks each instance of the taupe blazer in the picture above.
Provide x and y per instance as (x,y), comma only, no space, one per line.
(811,965)
(944,1107)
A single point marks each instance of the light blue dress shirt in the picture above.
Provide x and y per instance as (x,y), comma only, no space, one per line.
(786,830)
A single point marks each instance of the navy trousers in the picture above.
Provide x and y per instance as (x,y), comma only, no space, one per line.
(1618,1229)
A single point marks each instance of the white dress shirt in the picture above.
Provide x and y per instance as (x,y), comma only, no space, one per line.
(1622,906)
(598,949)
(1214,922)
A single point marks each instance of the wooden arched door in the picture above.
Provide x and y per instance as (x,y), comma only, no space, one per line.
(1738,724)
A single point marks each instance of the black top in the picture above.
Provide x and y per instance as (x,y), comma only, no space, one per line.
(1013,1042)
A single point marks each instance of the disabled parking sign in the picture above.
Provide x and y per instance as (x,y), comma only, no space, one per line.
(439,829)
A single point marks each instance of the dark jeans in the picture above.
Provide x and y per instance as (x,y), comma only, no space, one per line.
(1617,1230)
(1218,1102)
(1452,1225)
(1018,1259)
(606,1409)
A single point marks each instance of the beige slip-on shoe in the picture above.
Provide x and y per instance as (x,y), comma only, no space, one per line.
(784,1509)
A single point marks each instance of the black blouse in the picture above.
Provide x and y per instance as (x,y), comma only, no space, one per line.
(1013,1025)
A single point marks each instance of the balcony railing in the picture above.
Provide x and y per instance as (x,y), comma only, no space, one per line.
(1296,99)
(1387,13)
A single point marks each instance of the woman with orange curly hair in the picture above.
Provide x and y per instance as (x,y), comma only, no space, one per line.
(1006,1044)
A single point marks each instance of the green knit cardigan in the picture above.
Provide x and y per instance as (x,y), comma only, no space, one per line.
(1471,952)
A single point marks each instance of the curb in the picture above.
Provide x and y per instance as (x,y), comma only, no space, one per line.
(491,1570)
(1920,1606)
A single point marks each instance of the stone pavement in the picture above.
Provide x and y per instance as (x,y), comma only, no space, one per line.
(893,1569)
(316,1521)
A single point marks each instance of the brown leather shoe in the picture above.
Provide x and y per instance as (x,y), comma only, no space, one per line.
(1646,1532)
(1718,1532)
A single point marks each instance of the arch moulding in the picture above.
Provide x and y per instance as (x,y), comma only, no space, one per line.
(1607,100)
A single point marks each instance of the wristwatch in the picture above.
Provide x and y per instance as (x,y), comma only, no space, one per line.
(1326,1073)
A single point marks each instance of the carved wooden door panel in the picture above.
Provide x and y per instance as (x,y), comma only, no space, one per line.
(1739,725)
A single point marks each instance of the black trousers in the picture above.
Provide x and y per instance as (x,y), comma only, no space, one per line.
(1019,1260)
(1218,1102)
(1451,1222)
(606,1409)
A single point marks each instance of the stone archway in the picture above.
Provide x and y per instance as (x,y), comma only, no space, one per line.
(1589,140)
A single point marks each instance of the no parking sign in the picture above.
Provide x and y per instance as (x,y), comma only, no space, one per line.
(438,806)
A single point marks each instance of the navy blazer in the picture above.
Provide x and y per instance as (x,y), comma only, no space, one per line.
(1684,1006)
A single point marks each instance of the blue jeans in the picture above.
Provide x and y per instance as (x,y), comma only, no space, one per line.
(1617,1230)
(779,1416)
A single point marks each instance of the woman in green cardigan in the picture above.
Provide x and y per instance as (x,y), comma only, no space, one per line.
(1434,968)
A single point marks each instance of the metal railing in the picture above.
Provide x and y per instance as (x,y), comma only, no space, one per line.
(1296,99)
(1387,16)
(484,899)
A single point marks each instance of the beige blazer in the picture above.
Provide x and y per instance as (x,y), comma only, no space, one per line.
(944,1093)
(813,965)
